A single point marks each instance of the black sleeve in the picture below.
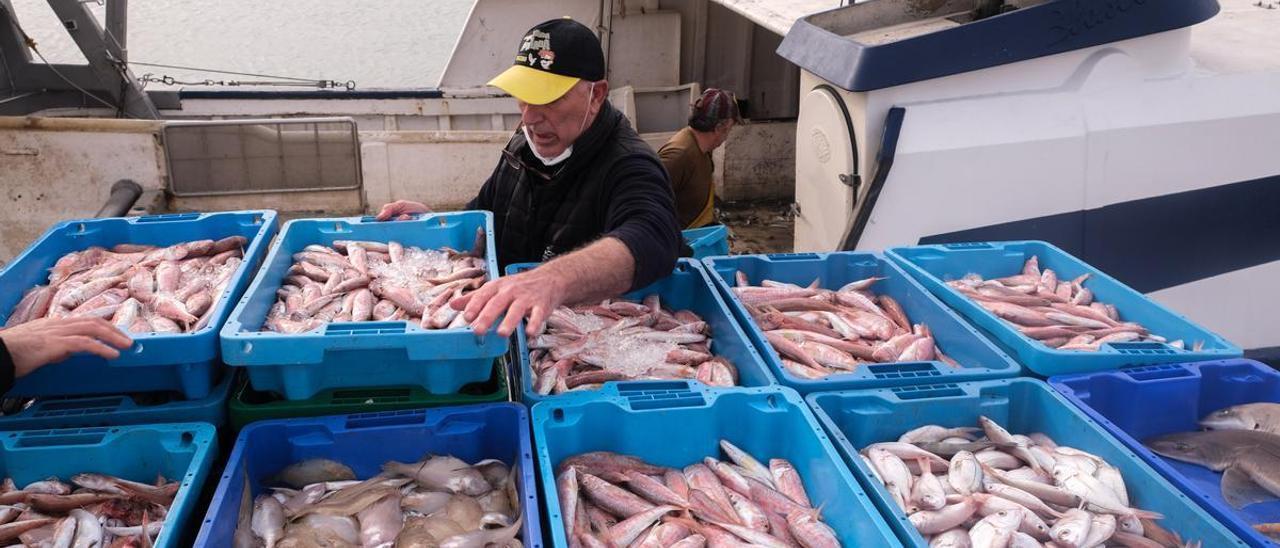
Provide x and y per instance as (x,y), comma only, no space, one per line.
(484,198)
(6,368)
(641,213)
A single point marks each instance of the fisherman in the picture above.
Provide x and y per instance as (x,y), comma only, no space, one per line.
(576,188)
(687,156)
(29,346)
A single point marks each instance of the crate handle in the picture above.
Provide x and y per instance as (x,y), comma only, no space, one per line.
(1142,348)
(659,395)
(917,370)
(107,404)
(168,218)
(1157,373)
(929,391)
(374,218)
(969,245)
(374,395)
(784,257)
(62,438)
(387,418)
(344,329)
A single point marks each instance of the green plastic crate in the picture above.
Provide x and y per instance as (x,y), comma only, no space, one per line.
(248,405)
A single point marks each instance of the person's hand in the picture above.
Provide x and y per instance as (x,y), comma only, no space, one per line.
(401,210)
(37,343)
(534,294)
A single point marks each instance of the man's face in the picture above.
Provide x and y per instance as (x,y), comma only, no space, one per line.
(556,125)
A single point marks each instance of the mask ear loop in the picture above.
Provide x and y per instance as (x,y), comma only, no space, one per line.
(591,93)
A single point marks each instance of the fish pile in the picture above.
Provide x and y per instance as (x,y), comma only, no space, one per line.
(1058,313)
(94,510)
(711,503)
(360,281)
(1243,444)
(585,346)
(961,489)
(1270,529)
(139,288)
(819,332)
(440,501)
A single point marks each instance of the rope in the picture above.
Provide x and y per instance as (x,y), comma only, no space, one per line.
(279,80)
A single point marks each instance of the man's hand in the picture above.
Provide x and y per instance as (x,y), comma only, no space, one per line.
(602,269)
(40,342)
(401,210)
(533,294)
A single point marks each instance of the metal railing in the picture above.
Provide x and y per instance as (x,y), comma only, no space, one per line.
(233,157)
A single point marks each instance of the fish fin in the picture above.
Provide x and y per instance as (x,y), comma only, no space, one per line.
(146,538)
(924,464)
(1239,490)
(1148,514)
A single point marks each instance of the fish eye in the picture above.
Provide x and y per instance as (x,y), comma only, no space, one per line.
(1182,446)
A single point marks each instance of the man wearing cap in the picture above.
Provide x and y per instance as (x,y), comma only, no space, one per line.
(576,188)
(687,156)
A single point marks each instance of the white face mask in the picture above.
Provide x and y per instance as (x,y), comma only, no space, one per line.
(568,151)
(546,161)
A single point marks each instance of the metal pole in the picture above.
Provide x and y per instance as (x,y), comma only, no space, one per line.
(118,28)
(124,193)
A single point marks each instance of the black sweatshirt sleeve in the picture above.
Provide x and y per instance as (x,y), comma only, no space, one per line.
(484,198)
(641,213)
(6,368)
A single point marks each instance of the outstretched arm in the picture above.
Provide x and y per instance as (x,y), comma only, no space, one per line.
(602,269)
(29,346)
(639,246)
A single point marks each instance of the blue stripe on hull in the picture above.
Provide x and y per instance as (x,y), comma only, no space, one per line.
(1163,241)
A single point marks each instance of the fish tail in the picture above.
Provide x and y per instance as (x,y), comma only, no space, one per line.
(1146,514)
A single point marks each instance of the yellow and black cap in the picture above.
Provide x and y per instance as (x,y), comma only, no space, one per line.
(553,56)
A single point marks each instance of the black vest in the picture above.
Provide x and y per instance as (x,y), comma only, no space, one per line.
(540,212)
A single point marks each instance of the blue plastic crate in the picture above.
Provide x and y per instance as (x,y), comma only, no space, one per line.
(708,241)
(186,362)
(678,423)
(979,359)
(120,409)
(1141,403)
(360,354)
(858,418)
(180,452)
(364,442)
(932,265)
(687,288)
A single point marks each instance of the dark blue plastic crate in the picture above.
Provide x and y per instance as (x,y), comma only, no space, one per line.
(978,358)
(120,409)
(179,452)
(708,241)
(676,424)
(933,265)
(366,441)
(1140,403)
(185,362)
(858,418)
(687,288)
(360,354)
